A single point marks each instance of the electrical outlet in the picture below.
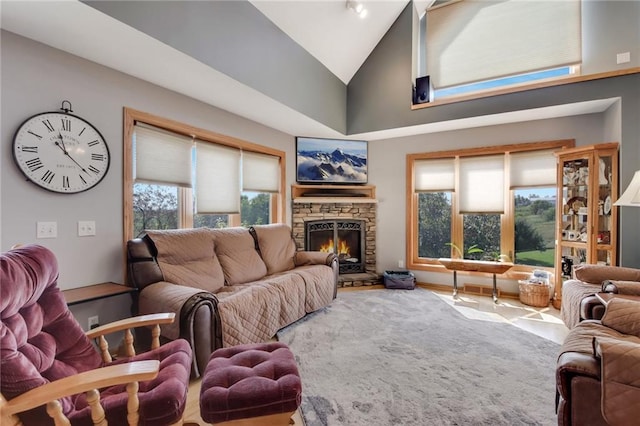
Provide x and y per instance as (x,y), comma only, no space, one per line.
(623,58)
(46,229)
(400,263)
(94,322)
(86,228)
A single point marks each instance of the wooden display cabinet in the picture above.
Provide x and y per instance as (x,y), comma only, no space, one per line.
(587,220)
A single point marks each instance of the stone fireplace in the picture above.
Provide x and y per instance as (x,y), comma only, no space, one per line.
(341,222)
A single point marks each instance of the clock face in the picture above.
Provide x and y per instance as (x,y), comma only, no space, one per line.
(61,152)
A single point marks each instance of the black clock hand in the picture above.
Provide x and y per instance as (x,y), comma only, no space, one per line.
(61,146)
(64,148)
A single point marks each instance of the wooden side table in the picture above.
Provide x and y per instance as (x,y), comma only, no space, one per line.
(95,292)
(475,266)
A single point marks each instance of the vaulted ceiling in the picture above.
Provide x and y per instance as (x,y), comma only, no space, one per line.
(326,29)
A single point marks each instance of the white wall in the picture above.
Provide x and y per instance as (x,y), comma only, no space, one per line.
(36,78)
(388,160)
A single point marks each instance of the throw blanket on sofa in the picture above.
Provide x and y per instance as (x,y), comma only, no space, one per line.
(573,291)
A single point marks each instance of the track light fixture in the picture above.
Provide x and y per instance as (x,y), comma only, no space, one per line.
(357,7)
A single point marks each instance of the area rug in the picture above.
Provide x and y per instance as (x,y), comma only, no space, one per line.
(406,357)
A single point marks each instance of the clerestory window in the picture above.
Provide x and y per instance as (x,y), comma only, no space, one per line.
(471,46)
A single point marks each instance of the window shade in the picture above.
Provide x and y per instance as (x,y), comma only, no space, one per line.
(434,175)
(470,41)
(260,172)
(217,179)
(481,187)
(532,168)
(161,157)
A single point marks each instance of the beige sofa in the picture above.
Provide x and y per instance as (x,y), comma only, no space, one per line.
(578,300)
(228,286)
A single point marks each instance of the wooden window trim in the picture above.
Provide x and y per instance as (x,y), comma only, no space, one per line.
(507,220)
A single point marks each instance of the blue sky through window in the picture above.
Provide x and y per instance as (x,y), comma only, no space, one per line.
(500,82)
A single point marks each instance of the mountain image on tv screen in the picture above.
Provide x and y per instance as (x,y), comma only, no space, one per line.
(331,160)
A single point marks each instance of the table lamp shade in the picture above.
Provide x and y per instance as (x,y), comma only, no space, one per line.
(631,196)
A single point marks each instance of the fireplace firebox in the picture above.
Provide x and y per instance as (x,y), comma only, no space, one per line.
(345,238)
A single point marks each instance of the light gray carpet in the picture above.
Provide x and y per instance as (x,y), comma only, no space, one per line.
(405,357)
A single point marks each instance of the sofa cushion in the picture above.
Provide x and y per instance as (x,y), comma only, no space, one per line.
(596,274)
(623,316)
(276,245)
(187,257)
(241,262)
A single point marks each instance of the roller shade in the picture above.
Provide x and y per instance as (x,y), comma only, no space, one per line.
(217,179)
(161,157)
(532,168)
(436,175)
(469,41)
(481,187)
(260,172)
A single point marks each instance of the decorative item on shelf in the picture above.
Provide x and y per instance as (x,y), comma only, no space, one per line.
(583,175)
(604,237)
(602,177)
(575,203)
(607,205)
(567,265)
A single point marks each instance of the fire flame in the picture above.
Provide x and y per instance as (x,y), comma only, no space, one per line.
(328,247)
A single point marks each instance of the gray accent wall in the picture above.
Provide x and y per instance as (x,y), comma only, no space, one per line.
(234,38)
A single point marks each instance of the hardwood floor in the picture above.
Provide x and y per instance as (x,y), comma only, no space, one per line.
(544,322)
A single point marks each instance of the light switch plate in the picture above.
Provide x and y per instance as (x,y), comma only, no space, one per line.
(46,229)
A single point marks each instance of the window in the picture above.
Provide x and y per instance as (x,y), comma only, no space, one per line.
(483,204)
(472,45)
(178,176)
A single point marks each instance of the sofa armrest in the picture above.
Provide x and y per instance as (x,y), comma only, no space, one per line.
(621,287)
(572,364)
(303,258)
(88,381)
(197,318)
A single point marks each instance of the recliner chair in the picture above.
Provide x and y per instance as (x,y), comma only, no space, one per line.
(49,368)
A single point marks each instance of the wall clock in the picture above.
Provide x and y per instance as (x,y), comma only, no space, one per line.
(61,152)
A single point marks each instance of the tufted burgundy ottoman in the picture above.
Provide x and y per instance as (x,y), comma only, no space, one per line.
(257,381)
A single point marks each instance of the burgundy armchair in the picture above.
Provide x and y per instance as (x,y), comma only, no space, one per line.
(49,368)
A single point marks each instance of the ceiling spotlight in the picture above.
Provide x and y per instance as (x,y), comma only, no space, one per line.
(357,7)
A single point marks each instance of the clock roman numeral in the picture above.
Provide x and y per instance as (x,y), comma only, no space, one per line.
(82,131)
(93,169)
(82,179)
(48,125)
(33,149)
(34,134)
(66,124)
(47,176)
(65,182)
(34,164)
(97,157)
(93,143)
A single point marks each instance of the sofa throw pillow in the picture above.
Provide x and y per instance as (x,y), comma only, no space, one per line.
(276,246)
(596,274)
(621,287)
(238,256)
(623,315)
(187,257)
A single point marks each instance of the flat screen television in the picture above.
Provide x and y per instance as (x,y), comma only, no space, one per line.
(331,161)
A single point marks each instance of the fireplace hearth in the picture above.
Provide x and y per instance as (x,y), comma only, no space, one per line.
(345,238)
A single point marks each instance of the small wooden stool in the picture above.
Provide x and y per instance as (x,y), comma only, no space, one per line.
(253,384)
